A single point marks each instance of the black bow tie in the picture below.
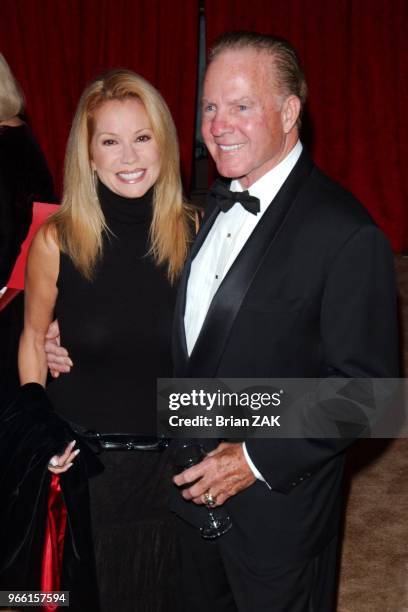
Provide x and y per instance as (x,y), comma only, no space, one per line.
(226,198)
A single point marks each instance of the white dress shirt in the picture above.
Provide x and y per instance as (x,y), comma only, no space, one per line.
(221,247)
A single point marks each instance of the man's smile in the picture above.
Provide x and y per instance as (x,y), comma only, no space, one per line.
(232,147)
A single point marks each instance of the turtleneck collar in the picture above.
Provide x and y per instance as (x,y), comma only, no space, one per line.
(128,211)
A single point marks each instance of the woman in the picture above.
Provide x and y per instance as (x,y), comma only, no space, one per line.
(107,263)
(24,178)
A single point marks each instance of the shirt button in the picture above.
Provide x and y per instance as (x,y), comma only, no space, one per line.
(216,276)
(228,235)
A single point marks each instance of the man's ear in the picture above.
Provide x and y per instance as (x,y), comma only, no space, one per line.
(290,113)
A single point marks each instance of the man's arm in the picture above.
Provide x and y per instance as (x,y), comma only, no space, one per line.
(360,340)
(359,335)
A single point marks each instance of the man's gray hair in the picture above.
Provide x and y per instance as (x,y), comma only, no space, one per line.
(289,74)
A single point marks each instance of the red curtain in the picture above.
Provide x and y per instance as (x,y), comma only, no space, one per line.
(355,56)
(55,47)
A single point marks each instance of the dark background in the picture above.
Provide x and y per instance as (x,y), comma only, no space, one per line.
(355,55)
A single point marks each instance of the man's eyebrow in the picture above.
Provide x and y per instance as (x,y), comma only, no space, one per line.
(245,99)
(241,100)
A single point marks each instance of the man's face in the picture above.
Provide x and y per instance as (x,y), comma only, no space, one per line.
(245,122)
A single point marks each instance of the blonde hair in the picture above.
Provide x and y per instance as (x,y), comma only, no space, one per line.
(80,222)
(11,96)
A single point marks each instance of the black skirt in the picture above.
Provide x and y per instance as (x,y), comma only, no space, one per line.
(135,540)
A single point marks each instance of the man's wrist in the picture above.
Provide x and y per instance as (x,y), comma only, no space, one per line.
(251,464)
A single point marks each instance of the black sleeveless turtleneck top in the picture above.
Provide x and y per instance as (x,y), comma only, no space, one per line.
(117,327)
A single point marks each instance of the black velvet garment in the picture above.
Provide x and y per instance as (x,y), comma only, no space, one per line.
(30,433)
(117,329)
(24,179)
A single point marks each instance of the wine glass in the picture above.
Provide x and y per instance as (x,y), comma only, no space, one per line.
(218,522)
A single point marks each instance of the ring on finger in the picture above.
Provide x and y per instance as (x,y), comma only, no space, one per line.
(209,499)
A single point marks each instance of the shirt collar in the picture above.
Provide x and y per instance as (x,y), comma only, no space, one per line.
(270,183)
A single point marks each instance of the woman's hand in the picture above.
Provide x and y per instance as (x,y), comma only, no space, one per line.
(58,464)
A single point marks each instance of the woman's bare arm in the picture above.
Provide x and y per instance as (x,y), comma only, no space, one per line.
(40,297)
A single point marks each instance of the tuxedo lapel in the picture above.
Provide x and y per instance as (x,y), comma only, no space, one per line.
(227,301)
(211,214)
(180,355)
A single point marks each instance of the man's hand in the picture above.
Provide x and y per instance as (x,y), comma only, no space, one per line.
(222,473)
(58,360)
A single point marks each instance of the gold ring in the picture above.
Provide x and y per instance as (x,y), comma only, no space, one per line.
(208,499)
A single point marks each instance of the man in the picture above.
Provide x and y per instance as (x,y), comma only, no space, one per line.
(302,288)
(301,285)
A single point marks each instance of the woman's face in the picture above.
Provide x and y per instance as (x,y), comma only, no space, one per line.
(124,151)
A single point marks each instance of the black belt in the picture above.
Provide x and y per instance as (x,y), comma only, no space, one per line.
(120,442)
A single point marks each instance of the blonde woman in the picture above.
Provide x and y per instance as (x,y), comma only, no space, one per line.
(107,264)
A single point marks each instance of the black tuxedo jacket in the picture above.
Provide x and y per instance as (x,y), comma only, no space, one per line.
(311,294)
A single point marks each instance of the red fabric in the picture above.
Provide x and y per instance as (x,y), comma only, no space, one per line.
(355,56)
(53,541)
(55,47)
(40,213)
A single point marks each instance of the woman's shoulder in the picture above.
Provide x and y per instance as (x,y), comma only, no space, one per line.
(45,243)
(43,260)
